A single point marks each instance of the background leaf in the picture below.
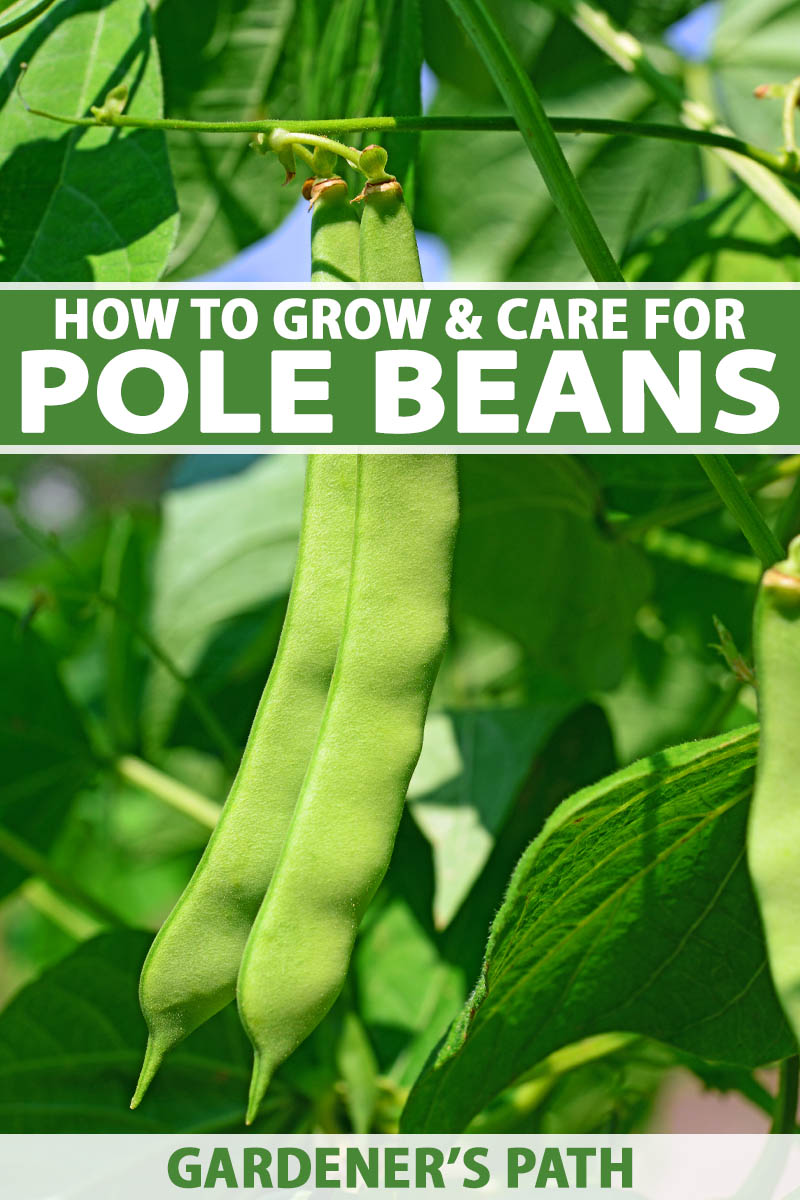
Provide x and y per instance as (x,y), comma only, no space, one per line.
(83,204)
(472,766)
(533,561)
(219,63)
(226,548)
(43,746)
(70,1047)
(754,42)
(730,237)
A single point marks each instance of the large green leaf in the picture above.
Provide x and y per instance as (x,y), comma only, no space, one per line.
(533,561)
(43,747)
(482,194)
(71,1045)
(226,548)
(219,64)
(633,912)
(83,204)
(277,58)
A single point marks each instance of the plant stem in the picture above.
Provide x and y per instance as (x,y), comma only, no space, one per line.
(74,921)
(177,795)
(706,502)
(593,126)
(522,1100)
(677,547)
(213,727)
(787,522)
(785,1115)
(519,94)
(34,862)
(738,501)
(789,118)
(28,13)
(629,54)
(203,712)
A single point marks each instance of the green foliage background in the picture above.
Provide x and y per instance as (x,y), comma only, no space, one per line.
(583,611)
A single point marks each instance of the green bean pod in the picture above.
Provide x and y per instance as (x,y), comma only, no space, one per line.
(388,250)
(774,829)
(334,232)
(190,972)
(343,830)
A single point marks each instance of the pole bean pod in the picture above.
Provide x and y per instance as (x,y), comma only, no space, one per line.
(774,830)
(191,970)
(343,830)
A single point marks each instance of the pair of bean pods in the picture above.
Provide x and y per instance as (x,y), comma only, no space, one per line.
(271,913)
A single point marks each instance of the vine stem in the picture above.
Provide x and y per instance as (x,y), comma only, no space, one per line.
(701,556)
(789,118)
(75,921)
(319,132)
(741,505)
(785,1115)
(593,126)
(629,54)
(28,13)
(523,101)
(787,522)
(177,795)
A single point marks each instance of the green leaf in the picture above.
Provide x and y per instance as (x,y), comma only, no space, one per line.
(226,548)
(482,194)
(472,766)
(276,58)
(71,1045)
(359,1070)
(533,561)
(631,912)
(399,87)
(755,42)
(732,237)
(408,991)
(219,63)
(83,204)
(43,746)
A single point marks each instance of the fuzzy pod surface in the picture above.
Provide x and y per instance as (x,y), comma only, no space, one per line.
(388,244)
(774,828)
(345,823)
(190,972)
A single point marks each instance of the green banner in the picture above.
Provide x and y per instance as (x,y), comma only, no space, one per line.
(497,368)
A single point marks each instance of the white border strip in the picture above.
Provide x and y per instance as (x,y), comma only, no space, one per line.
(459,449)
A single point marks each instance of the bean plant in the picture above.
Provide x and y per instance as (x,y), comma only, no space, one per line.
(410,792)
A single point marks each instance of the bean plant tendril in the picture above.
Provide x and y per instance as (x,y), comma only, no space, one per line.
(308,132)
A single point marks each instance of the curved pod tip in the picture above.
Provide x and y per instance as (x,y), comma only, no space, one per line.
(153,1058)
(260,1081)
